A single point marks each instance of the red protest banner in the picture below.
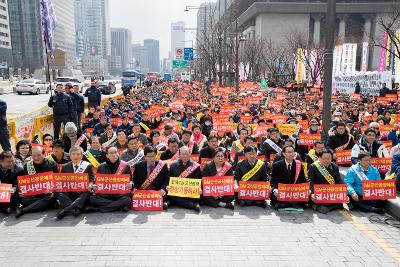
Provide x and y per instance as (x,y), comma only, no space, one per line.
(36,184)
(379,190)
(262,130)
(343,157)
(147,200)
(218,186)
(279,119)
(195,157)
(382,164)
(5,193)
(176,106)
(112,184)
(328,194)
(71,182)
(309,139)
(227,109)
(254,190)
(204,161)
(388,144)
(275,104)
(223,127)
(294,192)
(115,121)
(246,119)
(385,130)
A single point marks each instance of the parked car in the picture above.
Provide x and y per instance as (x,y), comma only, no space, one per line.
(32,86)
(69,80)
(107,87)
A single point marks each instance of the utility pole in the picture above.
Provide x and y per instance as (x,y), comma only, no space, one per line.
(330,38)
(225,46)
(237,80)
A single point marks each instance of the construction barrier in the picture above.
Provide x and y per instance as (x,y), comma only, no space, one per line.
(40,121)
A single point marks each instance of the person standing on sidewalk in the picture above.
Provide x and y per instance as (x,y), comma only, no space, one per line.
(62,108)
(93,94)
(4,134)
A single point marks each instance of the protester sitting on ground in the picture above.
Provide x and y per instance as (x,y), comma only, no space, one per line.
(359,172)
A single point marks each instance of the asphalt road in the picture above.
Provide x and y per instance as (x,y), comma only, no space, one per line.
(19,104)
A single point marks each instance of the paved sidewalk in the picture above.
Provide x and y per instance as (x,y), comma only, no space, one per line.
(217,237)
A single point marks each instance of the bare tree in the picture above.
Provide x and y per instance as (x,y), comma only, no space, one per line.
(251,55)
(276,58)
(313,55)
(389,24)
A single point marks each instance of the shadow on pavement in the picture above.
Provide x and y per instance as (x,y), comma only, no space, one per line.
(142,217)
(105,218)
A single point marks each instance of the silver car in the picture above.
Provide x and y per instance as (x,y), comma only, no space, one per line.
(32,86)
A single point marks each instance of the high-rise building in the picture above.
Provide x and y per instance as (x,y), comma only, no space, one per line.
(357,21)
(26,34)
(121,43)
(207,15)
(93,25)
(153,47)
(5,37)
(177,36)
(64,36)
(140,56)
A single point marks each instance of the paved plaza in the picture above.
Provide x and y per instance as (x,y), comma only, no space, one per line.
(216,237)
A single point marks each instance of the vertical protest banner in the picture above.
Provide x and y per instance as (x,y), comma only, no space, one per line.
(365,56)
(330,194)
(114,184)
(254,190)
(382,58)
(147,200)
(71,182)
(294,192)
(379,190)
(36,184)
(184,187)
(215,186)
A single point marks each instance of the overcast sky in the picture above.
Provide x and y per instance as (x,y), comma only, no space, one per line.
(152,19)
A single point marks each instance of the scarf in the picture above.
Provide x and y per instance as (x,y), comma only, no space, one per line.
(197,137)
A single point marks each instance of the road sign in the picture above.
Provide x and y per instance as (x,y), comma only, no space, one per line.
(188,54)
(179,53)
(179,64)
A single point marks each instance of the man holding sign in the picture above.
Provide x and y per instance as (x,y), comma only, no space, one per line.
(112,202)
(286,171)
(8,175)
(32,203)
(151,174)
(363,171)
(251,169)
(324,172)
(74,202)
(185,168)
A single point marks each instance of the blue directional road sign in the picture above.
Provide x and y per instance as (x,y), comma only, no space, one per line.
(188,54)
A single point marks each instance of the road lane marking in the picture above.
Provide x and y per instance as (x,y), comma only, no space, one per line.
(362,227)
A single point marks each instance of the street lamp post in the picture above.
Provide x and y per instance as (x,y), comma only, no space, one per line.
(187,8)
(330,20)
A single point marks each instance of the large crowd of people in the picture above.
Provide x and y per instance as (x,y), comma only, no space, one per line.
(195,131)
